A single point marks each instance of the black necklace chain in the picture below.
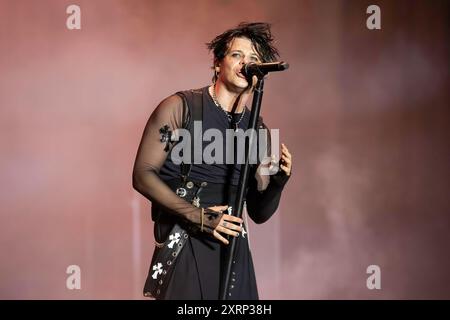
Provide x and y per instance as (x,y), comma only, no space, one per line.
(229,117)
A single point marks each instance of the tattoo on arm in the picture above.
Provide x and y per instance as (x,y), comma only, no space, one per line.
(166,135)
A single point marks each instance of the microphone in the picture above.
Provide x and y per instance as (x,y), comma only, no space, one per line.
(261,69)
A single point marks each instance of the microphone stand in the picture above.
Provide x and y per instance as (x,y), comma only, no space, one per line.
(243,181)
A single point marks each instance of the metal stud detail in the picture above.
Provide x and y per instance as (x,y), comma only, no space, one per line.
(181,192)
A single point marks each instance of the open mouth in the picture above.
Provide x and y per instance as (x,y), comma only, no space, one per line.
(240,75)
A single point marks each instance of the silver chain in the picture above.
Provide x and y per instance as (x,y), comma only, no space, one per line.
(216,102)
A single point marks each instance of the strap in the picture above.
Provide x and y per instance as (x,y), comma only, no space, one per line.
(193,103)
(163,260)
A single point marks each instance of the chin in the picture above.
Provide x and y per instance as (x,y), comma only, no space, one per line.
(241,83)
(237,85)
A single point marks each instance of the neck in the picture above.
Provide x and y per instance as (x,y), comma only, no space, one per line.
(228,99)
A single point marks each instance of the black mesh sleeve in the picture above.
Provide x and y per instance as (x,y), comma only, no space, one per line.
(264,192)
(261,205)
(153,150)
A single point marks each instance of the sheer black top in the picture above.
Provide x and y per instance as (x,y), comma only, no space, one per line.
(154,163)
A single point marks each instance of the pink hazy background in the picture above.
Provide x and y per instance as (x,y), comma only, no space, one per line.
(365,114)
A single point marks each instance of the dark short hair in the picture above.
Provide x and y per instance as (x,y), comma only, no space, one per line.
(257,32)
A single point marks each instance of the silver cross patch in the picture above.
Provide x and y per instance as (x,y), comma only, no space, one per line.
(158,270)
(174,238)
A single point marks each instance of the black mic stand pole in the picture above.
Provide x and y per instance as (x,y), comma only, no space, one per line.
(243,181)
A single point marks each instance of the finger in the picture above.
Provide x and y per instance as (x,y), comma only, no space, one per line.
(286,156)
(286,160)
(283,147)
(286,152)
(218,208)
(232,218)
(219,237)
(252,85)
(254,81)
(287,163)
(227,231)
(285,169)
(231,226)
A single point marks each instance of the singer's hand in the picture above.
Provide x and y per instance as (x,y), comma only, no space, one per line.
(286,160)
(217,223)
(253,84)
(245,95)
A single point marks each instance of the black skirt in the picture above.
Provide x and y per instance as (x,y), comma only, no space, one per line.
(198,269)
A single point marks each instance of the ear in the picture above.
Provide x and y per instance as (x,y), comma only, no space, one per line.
(217,66)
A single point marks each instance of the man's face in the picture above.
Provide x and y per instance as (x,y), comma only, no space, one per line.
(240,52)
